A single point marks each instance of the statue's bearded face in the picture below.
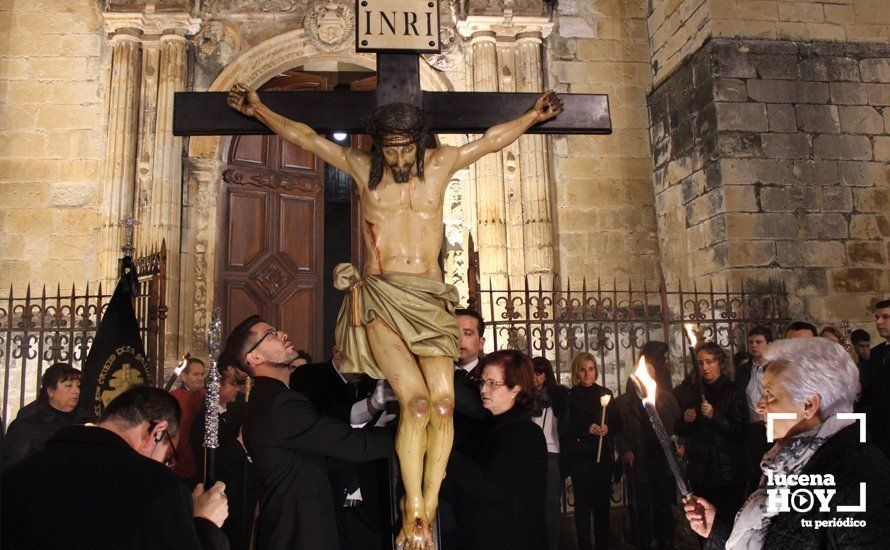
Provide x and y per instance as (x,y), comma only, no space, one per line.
(400,158)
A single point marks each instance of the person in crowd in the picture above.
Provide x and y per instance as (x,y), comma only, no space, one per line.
(232,464)
(742,363)
(497,477)
(54,408)
(876,384)
(651,486)
(814,380)
(468,410)
(800,329)
(289,441)
(358,488)
(831,333)
(107,487)
(715,425)
(861,341)
(549,405)
(580,432)
(759,339)
(472,340)
(190,396)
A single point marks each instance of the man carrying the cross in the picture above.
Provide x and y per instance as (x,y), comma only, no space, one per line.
(397,320)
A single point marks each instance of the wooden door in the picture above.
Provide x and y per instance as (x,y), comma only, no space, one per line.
(272,238)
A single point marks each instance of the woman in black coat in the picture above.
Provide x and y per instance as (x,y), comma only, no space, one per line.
(550,400)
(580,432)
(715,427)
(496,478)
(814,380)
(54,408)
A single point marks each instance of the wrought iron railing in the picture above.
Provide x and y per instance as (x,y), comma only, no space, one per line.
(614,320)
(39,328)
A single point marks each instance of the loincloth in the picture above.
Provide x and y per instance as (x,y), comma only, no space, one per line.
(420,310)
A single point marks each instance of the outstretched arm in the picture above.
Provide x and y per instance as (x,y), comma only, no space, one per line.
(497,137)
(247,102)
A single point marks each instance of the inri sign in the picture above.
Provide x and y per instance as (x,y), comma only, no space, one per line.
(397,26)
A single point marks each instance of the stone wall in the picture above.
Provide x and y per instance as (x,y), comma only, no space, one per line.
(605,219)
(51,141)
(771,160)
(677,28)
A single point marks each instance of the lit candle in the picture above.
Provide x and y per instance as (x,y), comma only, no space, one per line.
(604,402)
(696,373)
(177,372)
(646,390)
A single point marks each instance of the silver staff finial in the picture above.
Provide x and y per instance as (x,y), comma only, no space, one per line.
(211,398)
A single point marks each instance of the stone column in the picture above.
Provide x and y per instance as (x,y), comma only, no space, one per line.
(536,206)
(166,175)
(510,177)
(119,174)
(490,209)
(198,251)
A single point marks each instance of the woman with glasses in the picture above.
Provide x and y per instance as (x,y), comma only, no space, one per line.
(496,478)
(549,405)
(581,430)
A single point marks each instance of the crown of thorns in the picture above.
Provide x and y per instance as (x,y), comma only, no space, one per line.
(388,126)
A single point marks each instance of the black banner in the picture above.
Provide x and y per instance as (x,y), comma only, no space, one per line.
(117,357)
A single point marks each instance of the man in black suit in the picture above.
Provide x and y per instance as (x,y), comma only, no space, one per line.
(876,382)
(107,487)
(359,492)
(289,442)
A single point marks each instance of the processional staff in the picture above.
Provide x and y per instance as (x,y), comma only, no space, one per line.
(211,400)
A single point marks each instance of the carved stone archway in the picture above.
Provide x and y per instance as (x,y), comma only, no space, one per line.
(205,161)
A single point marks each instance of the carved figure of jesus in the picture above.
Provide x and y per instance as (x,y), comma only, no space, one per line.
(397,320)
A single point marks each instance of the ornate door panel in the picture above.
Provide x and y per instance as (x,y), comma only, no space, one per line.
(273,240)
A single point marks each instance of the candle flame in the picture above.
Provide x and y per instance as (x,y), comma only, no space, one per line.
(604,399)
(690,333)
(645,382)
(182,364)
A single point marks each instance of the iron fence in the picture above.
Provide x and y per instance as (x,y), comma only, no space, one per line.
(614,320)
(38,329)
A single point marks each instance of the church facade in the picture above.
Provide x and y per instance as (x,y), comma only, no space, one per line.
(751,141)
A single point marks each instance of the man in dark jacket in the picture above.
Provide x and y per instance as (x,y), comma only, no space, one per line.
(288,441)
(358,489)
(106,486)
(876,382)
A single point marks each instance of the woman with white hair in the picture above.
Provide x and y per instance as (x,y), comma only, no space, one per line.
(810,381)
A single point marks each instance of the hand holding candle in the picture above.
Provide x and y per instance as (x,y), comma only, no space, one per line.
(604,401)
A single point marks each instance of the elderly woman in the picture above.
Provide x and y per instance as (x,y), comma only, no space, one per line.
(496,477)
(54,408)
(812,380)
(580,429)
(549,405)
(715,424)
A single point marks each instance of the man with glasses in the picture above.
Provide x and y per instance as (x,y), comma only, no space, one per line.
(106,486)
(289,443)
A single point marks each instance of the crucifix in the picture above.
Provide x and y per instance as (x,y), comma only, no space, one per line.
(397,319)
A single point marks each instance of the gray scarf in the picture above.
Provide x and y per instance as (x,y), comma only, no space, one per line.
(787,457)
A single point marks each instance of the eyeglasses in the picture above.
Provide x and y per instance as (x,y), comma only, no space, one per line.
(172,457)
(270,332)
(491,384)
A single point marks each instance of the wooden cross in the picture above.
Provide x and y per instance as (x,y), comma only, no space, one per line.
(398,80)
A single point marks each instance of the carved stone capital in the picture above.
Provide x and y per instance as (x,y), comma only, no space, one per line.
(506,27)
(151,23)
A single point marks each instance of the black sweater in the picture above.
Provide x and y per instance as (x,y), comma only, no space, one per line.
(497,481)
